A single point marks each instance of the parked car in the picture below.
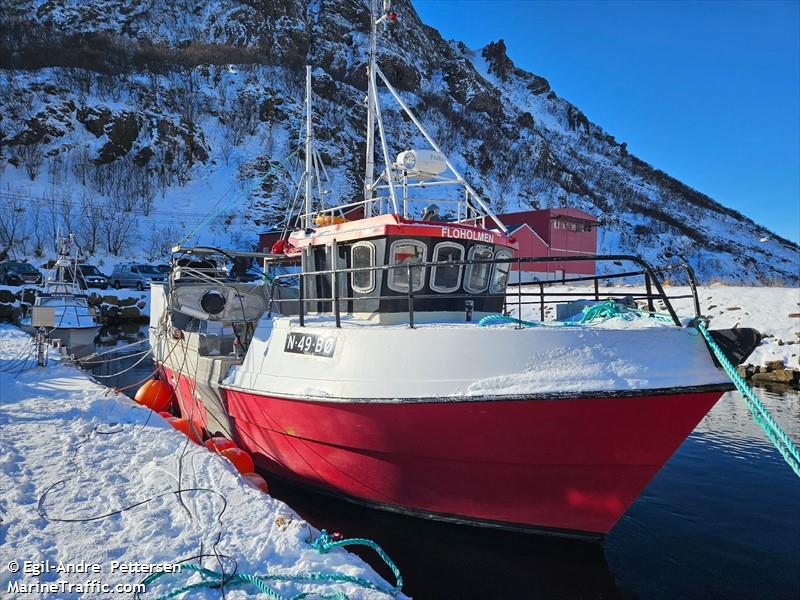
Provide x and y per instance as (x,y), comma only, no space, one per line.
(19,273)
(93,277)
(135,275)
(163,268)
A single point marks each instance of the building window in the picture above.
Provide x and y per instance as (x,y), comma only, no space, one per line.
(555,223)
(477,278)
(362,256)
(447,278)
(573,226)
(403,252)
(587,226)
(500,275)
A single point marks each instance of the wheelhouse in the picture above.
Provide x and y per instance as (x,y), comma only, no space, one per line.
(378,263)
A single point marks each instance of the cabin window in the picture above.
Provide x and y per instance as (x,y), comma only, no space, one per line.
(573,226)
(362,256)
(587,226)
(555,224)
(403,252)
(477,278)
(500,275)
(446,278)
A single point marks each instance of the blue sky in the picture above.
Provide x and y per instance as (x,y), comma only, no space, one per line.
(707,91)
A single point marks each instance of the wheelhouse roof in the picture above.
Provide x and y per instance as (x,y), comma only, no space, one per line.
(394,225)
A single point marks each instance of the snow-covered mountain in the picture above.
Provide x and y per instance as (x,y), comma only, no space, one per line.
(139,123)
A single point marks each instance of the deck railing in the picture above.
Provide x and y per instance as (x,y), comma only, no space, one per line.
(515,295)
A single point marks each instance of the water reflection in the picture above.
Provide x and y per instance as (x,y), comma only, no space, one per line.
(720,520)
(440,560)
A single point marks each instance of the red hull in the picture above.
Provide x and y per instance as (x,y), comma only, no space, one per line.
(571,465)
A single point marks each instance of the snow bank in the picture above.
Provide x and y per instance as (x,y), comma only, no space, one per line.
(72,449)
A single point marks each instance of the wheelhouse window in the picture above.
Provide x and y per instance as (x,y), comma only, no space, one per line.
(500,274)
(362,256)
(446,278)
(477,278)
(403,252)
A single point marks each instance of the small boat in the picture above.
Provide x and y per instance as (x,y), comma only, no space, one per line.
(61,309)
(386,358)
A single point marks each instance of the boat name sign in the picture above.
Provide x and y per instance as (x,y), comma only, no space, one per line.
(468,234)
(310,343)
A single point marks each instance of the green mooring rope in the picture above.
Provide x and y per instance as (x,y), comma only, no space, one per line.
(324,544)
(761,415)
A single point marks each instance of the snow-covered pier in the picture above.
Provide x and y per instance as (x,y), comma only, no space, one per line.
(97,493)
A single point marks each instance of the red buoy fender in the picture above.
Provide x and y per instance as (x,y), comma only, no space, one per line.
(257,481)
(241,460)
(155,395)
(185,426)
(218,444)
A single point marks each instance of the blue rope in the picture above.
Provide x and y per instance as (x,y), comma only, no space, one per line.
(503,319)
(605,310)
(323,544)
(761,415)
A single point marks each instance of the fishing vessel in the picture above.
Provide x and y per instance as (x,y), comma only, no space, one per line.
(60,307)
(396,366)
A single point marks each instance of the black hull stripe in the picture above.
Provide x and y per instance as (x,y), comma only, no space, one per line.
(578,395)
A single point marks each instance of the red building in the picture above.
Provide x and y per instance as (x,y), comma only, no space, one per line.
(554,232)
(267,238)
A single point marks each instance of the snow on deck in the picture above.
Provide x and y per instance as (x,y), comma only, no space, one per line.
(774,311)
(97,452)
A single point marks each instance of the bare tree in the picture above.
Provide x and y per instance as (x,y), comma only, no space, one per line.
(38,229)
(54,226)
(32,157)
(91,218)
(117,227)
(12,219)
(226,148)
(160,241)
(81,165)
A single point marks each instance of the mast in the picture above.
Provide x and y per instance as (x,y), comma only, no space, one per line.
(369,171)
(309,148)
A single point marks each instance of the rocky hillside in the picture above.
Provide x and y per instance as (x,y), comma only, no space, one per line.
(130,121)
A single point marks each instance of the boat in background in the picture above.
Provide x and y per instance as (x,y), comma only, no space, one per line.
(395,366)
(61,309)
